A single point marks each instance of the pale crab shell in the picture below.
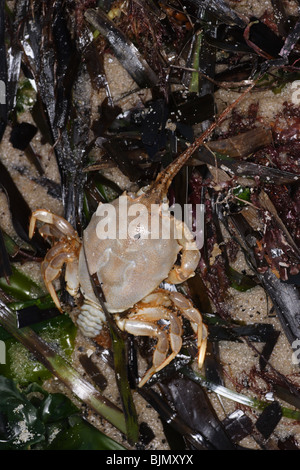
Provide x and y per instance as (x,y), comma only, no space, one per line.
(127,269)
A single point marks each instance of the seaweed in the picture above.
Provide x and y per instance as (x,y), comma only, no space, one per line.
(238,425)
(197,411)
(3,73)
(5,267)
(60,367)
(125,51)
(262,39)
(268,420)
(56,72)
(20,138)
(20,211)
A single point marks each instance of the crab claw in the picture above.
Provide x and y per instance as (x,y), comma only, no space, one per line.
(65,251)
(159,316)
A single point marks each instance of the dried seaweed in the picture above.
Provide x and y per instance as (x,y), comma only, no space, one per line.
(20,211)
(192,406)
(195,439)
(124,50)
(262,39)
(93,372)
(51,69)
(3,71)
(32,315)
(5,267)
(20,138)
(222,11)
(246,169)
(243,144)
(268,420)
(238,425)
(14,64)
(285,297)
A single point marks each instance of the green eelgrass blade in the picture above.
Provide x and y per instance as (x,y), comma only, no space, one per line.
(194,83)
(60,367)
(43,303)
(120,365)
(20,286)
(235,396)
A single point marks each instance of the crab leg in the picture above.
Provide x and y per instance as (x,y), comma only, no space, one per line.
(195,318)
(52,265)
(143,328)
(190,256)
(47,231)
(71,277)
(164,341)
(47,217)
(63,252)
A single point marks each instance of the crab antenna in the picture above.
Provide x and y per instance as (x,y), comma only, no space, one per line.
(160,186)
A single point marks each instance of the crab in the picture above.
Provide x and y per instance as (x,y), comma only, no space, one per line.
(126,272)
(129,269)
